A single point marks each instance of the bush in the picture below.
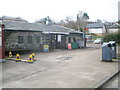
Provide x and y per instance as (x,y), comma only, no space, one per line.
(95,37)
(112,37)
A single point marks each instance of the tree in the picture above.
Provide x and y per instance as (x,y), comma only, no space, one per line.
(78,24)
(82,18)
(85,16)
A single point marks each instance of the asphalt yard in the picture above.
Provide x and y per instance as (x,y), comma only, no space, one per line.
(78,68)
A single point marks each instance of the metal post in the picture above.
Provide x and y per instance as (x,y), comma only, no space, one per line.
(3,42)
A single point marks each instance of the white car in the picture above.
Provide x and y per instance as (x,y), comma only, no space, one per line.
(98,41)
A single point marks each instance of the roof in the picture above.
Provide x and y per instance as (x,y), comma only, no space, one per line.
(95,25)
(12,18)
(112,26)
(25,26)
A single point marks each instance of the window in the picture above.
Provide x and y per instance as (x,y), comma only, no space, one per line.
(37,39)
(74,39)
(69,40)
(20,39)
(29,39)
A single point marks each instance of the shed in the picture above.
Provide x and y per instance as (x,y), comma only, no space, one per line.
(33,36)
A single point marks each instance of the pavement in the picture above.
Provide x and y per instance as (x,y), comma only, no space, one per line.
(114,82)
(79,68)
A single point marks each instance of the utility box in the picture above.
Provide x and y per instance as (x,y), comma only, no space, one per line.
(74,46)
(113,49)
(106,52)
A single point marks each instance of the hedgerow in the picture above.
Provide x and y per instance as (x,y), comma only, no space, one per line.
(112,37)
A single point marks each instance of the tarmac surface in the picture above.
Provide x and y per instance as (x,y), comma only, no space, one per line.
(79,68)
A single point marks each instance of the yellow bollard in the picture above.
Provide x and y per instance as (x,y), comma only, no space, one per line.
(30,59)
(10,55)
(17,58)
(33,56)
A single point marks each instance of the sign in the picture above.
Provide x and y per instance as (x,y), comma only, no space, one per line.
(84,35)
(46,47)
(86,29)
(69,46)
(59,38)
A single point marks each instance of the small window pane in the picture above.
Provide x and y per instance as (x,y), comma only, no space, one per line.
(69,40)
(37,39)
(74,39)
(20,39)
(29,39)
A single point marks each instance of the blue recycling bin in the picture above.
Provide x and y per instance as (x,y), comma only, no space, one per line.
(113,48)
(106,52)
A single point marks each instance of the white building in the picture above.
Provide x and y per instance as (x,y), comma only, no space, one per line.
(101,28)
(96,28)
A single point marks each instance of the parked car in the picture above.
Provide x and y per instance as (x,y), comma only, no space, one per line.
(98,41)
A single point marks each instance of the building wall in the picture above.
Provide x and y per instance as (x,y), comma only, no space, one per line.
(12,43)
(112,30)
(79,39)
(99,34)
(97,30)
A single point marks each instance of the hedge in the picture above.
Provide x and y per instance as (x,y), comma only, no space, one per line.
(112,37)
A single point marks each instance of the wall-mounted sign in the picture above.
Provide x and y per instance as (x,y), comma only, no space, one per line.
(59,38)
(46,47)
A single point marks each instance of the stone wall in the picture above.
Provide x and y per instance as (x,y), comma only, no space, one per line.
(28,40)
(12,43)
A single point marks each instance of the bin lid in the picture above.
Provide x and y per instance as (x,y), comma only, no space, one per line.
(111,42)
(105,44)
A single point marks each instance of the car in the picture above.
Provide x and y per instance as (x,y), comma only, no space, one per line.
(98,41)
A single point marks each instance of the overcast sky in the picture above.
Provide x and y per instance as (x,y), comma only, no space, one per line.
(32,10)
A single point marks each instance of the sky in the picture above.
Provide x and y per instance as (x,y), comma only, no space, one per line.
(32,10)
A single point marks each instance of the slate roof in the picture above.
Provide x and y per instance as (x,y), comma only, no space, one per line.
(112,26)
(95,25)
(13,25)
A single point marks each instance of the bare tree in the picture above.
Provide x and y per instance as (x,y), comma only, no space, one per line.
(79,24)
